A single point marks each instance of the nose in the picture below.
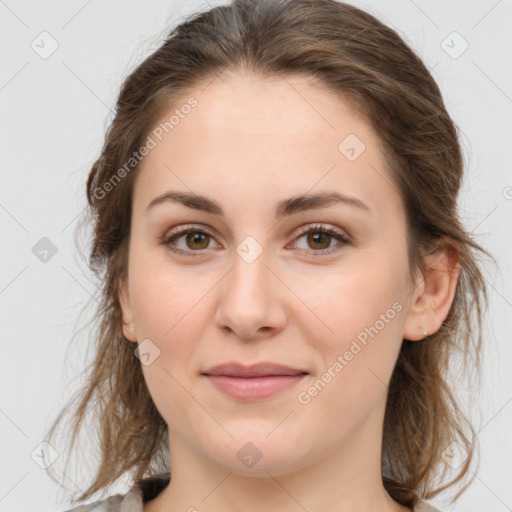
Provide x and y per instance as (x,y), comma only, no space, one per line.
(251,303)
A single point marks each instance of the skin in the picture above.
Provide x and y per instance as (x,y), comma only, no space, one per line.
(248,144)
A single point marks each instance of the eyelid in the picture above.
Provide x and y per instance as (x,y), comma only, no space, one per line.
(320,226)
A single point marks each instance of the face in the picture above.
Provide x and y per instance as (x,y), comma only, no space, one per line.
(321,288)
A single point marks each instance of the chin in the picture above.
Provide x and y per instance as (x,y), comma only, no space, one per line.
(258,456)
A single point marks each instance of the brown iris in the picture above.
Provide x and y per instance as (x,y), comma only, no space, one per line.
(318,238)
(197,238)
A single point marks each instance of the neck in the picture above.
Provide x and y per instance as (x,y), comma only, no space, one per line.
(346,478)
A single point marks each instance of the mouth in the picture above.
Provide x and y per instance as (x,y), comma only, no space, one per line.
(255,382)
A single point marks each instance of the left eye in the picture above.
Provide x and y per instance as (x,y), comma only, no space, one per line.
(318,239)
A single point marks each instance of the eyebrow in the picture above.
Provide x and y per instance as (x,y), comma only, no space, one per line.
(295,204)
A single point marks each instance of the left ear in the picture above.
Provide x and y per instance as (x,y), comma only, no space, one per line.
(433,293)
(126,310)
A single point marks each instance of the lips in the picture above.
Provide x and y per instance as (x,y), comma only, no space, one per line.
(252,383)
(257,370)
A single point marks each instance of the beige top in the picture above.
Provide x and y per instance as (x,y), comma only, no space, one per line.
(147,489)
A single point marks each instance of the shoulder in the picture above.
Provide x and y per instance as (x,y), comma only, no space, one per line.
(423,506)
(129,502)
(133,501)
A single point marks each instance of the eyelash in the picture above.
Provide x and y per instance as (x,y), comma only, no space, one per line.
(317,228)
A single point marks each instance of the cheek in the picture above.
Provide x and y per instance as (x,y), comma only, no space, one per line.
(361,316)
(171,308)
(356,313)
(347,299)
(169,312)
(163,297)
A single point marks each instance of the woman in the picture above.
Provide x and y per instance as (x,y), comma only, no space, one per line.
(285,276)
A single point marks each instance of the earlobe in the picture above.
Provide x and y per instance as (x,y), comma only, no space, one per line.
(433,296)
(129,331)
(128,326)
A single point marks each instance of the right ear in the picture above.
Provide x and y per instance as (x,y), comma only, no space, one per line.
(126,310)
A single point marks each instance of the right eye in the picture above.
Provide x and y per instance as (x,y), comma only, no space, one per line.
(192,240)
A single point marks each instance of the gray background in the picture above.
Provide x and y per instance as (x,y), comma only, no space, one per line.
(54,114)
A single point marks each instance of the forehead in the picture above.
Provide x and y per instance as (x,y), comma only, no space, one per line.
(291,110)
(253,135)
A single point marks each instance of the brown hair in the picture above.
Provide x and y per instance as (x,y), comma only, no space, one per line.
(369,65)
